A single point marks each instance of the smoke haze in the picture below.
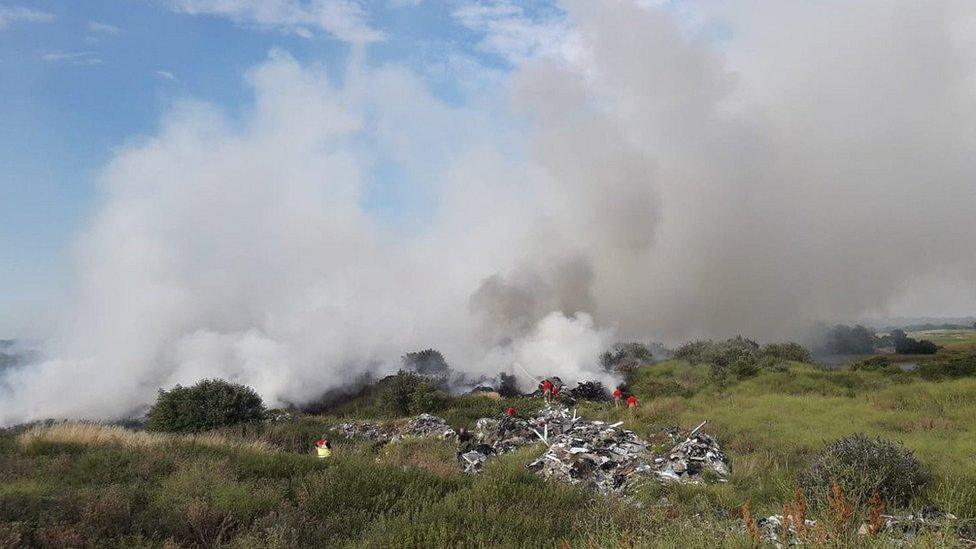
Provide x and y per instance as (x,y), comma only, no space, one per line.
(750,167)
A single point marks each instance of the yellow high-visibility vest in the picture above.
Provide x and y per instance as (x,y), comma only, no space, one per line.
(323,452)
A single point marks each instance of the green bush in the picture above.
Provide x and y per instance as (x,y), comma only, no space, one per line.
(951,367)
(408,393)
(772,364)
(426,398)
(209,404)
(785,352)
(861,464)
(875,364)
(745,367)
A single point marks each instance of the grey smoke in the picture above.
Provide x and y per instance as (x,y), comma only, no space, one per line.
(510,305)
(749,167)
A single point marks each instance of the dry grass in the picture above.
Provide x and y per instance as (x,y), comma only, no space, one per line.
(94,434)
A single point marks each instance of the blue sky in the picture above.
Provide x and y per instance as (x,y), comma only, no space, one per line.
(80,79)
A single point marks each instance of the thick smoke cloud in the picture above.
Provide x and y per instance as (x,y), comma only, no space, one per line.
(746,168)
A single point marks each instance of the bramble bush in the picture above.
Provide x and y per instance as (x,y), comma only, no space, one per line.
(209,404)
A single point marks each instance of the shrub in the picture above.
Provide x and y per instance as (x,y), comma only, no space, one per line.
(951,367)
(860,465)
(625,357)
(874,364)
(426,398)
(745,367)
(772,364)
(722,354)
(409,393)
(209,404)
(789,351)
(909,346)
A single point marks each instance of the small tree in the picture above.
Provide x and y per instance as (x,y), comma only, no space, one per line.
(209,404)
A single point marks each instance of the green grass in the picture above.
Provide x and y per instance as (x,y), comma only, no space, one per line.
(258,485)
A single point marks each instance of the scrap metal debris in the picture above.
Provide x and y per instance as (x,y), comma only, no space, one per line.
(422,426)
(693,460)
(906,527)
(900,530)
(598,455)
(425,426)
(594,454)
(363,429)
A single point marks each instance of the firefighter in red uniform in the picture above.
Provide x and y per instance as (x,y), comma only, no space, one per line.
(617,395)
(546,389)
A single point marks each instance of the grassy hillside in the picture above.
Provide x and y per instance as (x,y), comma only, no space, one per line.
(259,486)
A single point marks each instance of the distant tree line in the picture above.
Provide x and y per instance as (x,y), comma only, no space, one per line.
(858,340)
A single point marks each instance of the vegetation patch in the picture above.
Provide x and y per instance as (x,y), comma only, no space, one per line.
(861,465)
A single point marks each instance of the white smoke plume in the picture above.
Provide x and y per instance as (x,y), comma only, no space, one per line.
(745,167)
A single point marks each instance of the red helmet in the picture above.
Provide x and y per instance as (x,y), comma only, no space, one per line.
(510,411)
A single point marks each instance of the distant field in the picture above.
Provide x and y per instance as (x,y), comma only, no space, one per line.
(950,339)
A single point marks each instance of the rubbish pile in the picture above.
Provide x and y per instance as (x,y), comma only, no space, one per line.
(363,429)
(425,426)
(771,529)
(906,527)
(590,390)
(510,433)
(902,529)
(596,455)
(692,460)
(422,426)
(472,457)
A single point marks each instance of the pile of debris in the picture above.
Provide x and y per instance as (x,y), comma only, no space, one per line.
(472,457)
(901,529)
(596,455)
(693,459)
(363,429)
(590,390)
(500,436)
(422,426)
(425,426)
(906,527)
(772,529)
(510,433)
(593,453)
